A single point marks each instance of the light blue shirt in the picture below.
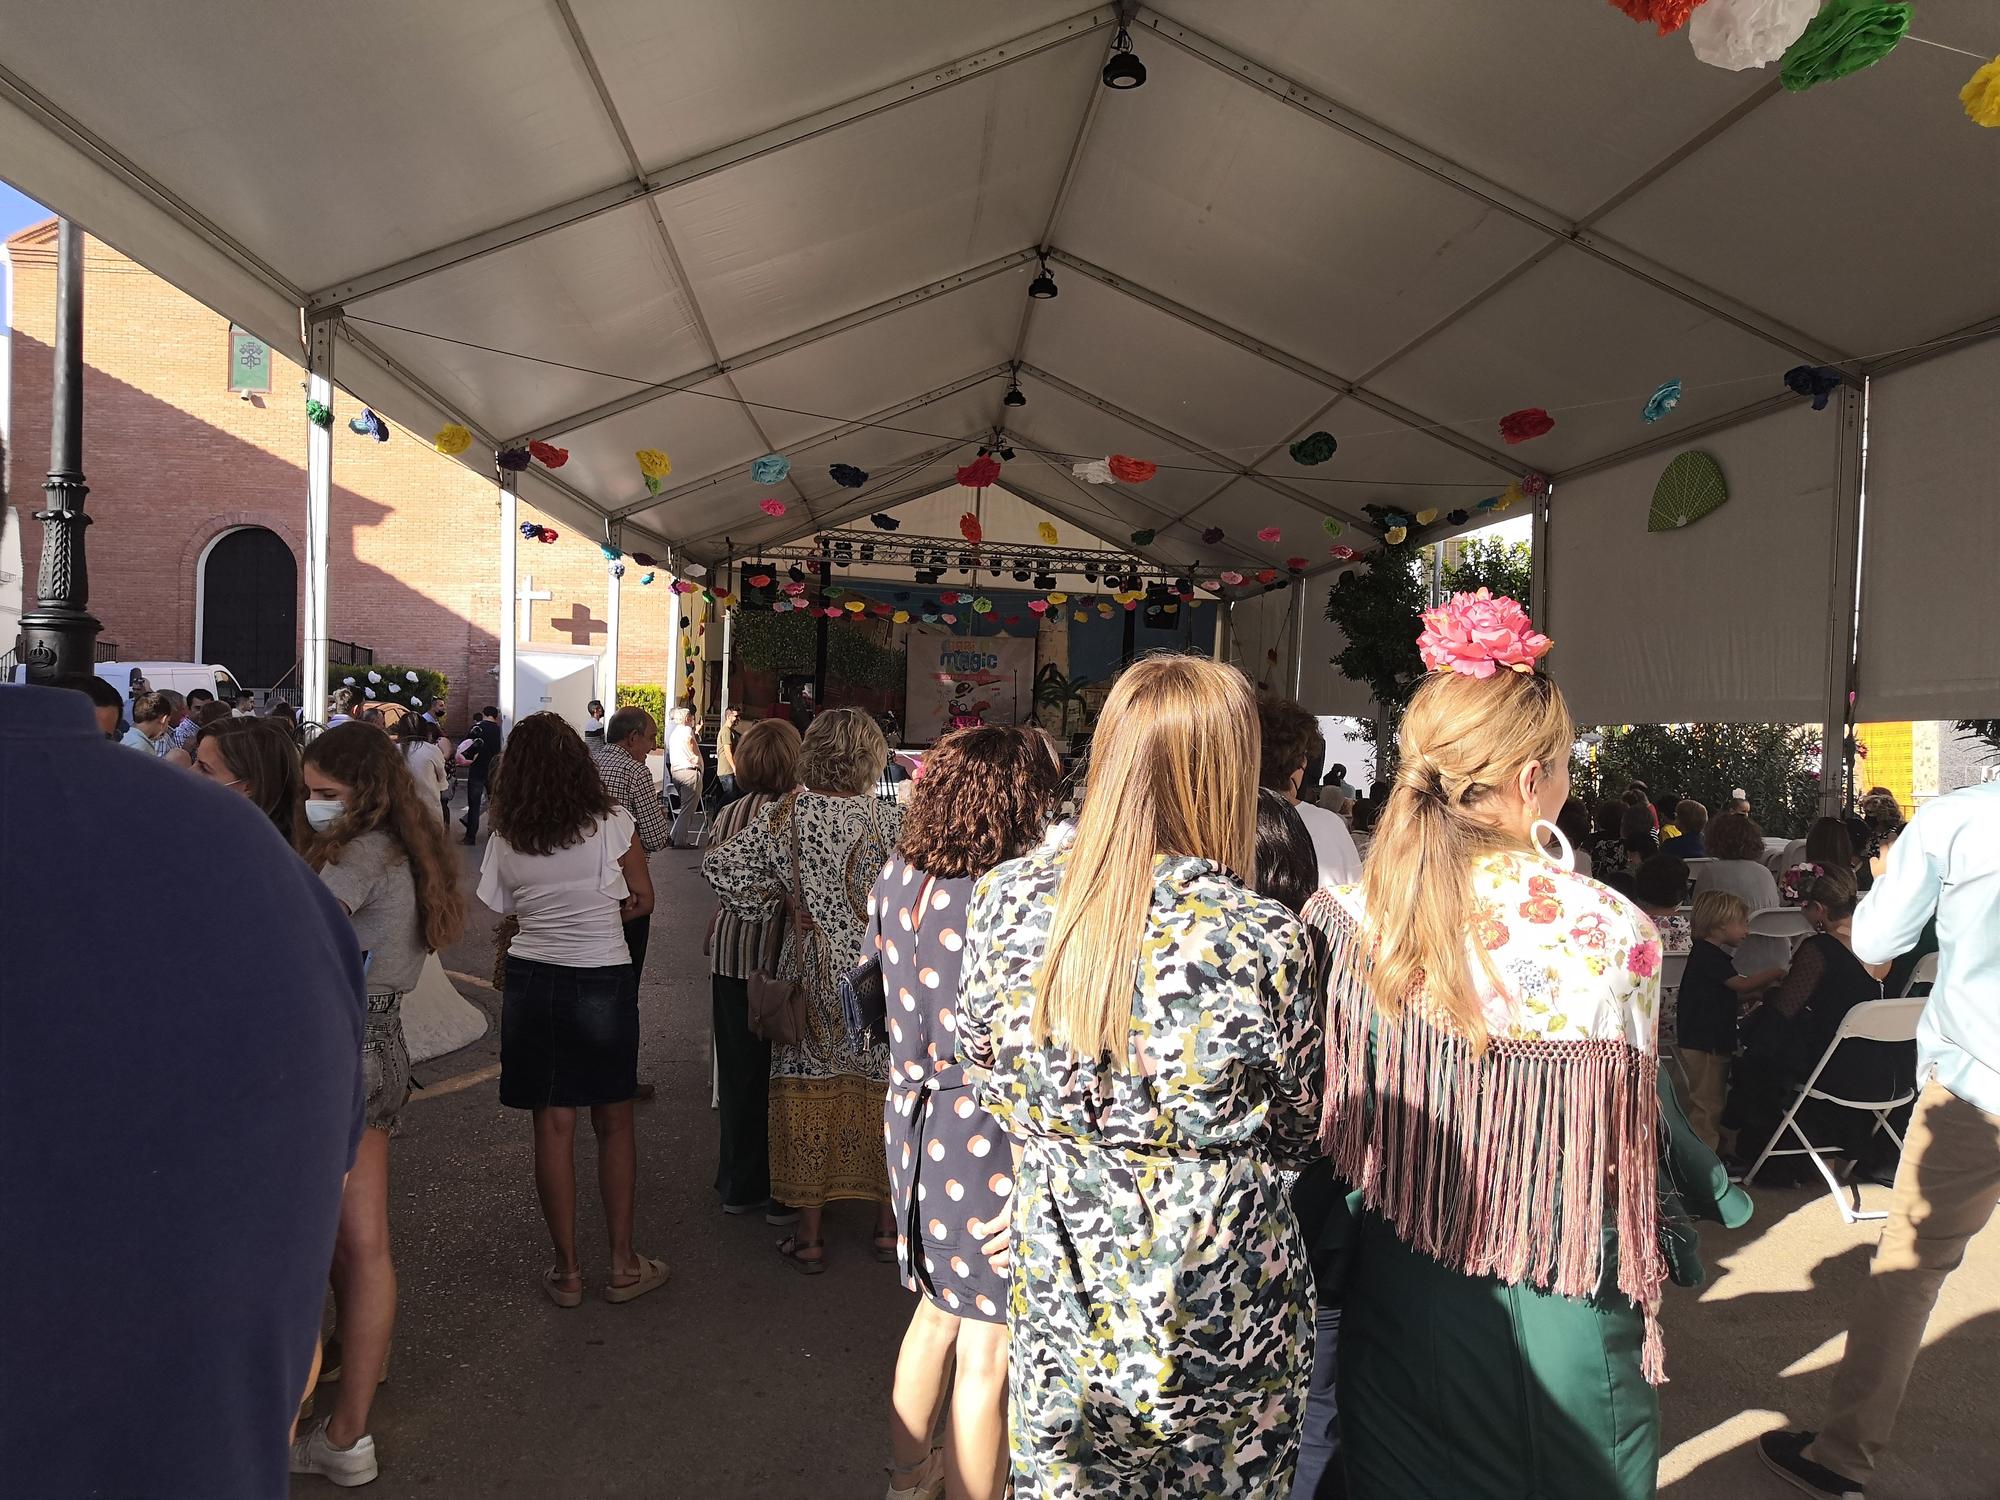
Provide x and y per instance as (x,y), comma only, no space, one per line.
(137,739)
(1948,862)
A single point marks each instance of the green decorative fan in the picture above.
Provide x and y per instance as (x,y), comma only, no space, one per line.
(1691,487)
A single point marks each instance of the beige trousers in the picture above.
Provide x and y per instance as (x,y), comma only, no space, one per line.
(1708,1088)
(1946,1187)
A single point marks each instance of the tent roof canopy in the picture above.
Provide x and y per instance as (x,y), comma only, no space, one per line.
(740,226)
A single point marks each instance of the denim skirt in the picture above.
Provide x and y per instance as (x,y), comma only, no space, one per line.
(569,1038)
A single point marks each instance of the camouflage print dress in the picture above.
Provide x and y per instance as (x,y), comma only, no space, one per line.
(1161,1302)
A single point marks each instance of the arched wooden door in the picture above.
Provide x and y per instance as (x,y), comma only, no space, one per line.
(250,606)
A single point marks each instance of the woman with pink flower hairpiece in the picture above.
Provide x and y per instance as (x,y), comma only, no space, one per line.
(1491,1105)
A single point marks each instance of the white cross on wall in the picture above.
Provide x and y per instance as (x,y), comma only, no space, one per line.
(525,617)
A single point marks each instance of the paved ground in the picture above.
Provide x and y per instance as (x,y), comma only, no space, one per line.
(741,1379)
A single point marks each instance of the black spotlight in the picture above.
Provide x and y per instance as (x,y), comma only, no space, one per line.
(1124,71)
(1090,573)
(1014,396)
(1007,455)
(1043,286)
(796,573)
(867,552)
(1045,580)
(1020,575)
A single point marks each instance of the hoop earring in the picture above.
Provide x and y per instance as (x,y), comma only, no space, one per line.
(1567,860)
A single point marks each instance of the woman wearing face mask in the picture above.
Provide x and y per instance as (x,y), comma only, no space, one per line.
(1502,1283)
(259,759)
(378,845)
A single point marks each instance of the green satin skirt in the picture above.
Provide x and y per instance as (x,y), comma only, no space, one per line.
(1461,1388)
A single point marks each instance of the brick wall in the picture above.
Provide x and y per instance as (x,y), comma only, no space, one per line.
(173,460)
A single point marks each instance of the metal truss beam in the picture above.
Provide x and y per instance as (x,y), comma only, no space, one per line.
(692,169)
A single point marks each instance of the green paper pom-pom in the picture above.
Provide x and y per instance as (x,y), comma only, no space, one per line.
(1315,449)
(1845,37)
(1143,538)
(1331,527)
(319,414)
(1691,487)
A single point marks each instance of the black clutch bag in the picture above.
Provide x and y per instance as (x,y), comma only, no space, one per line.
(864,1001)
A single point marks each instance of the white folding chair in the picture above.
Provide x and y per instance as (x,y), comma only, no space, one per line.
(1672,966)
(1924,973)
(1696,863)
(1786,922)
(1871,1021)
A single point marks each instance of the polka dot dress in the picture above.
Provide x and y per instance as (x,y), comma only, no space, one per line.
(948,1158)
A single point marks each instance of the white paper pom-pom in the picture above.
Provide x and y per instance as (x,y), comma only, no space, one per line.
(369,691)
(1094,471)
(347,682)
(1739,34)
(374,676)
(409,677)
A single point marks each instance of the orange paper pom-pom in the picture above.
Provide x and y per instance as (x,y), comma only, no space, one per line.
(1132,470)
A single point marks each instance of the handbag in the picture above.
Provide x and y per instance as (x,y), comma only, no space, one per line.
(778,1005)
(864,996)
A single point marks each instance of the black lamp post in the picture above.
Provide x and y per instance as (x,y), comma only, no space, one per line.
(60,634)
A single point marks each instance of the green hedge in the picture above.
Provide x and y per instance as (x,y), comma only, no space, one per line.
(1775,763)
(390,682)
(787,644)
(647,695)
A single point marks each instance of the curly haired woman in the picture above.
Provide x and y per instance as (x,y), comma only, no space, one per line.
(564,860)
(379,847)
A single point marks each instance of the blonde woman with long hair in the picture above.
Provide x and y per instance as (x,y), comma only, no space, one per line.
(1148,1026)
(1490,1064)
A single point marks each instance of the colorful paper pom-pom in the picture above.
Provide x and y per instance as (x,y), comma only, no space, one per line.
(981,472)
(1270,534)
(452,440)
(1267,575)
(771,469)
(319,414)
(1297,564)
(530,530)
(611,553)
(857,606)
(1739,34)
(548,455)
(884,522)
(982,605)
(847,476)
(1669,15)
(648,578)
(1059,598)
(1211,536)
(618,570)
(1425,517)
(513,460)
(901,617)
(550,536)
(1342,553)
(1039,606)
(1231,577)
(1817,381)
(1534,484)
(1047,533)
(772,507)
(1144,537)
(1094,471)
(1491,502)
(369,425)
(1529,422)
(1331,527)
(970,529)
(1131,470)
(1316,448)
(1457,517)
(1845,37)
(653,463)
(1395,536)
(1981,95)
(1662,401)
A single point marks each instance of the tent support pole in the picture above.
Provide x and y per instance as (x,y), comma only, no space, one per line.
(1538,562)
(1298,637)
(1843,602)
(728,647)
(1222,624)
(319,505)
(608,668)
(510,541)
(673,686)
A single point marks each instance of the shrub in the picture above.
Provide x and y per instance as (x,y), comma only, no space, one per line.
(1777,764)
(647,695)
(390,683)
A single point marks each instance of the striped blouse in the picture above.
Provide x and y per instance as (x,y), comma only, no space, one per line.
(737,949)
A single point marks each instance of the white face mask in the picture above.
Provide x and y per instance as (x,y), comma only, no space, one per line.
(323,815)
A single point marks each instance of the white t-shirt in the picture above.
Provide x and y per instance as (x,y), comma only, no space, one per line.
(567,901)
(426,763)
(1333,846)
(683,754)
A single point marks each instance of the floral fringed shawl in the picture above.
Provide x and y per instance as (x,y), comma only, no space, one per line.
(1507,1160)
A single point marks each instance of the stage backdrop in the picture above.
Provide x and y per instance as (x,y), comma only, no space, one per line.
(957,680)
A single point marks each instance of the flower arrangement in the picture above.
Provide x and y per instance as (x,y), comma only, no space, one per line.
(1476,635)
(1796,883)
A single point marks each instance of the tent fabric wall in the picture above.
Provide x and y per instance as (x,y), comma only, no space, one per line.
(1725,621)
(1264,623)
(1930,636)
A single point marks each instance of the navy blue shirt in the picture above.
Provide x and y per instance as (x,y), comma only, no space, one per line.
(180,1097)
(1705,1012)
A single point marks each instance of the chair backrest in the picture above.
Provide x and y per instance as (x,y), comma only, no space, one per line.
(1780,921)
(1672,966)
(1697,862)
(1881,1021)
(1925,972)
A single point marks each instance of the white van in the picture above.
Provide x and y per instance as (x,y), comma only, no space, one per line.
(161,676)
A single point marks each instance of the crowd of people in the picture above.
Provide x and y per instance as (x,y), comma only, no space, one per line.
(1222,1159)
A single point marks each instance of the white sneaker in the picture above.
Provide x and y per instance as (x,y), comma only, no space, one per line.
(347,1467)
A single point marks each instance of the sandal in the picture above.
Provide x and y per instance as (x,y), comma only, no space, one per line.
(650,1275)
(556,1282)
(925,1481)
(791,1247)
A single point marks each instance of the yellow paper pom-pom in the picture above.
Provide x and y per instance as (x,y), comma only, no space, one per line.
(1510,495)
(452,440)
(1981,95)
(653,463)
(901,617)
(1081,616)
(1047,533)
(1425,517)
(856,606)
(1396,535)
(1059,599)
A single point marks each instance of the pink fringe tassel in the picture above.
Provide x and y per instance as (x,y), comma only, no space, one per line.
(1495,1162)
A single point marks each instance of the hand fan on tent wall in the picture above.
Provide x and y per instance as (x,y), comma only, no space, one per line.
(1691,487)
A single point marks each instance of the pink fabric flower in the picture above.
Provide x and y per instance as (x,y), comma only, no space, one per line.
(1644,959)
(771,507)
(1270,534)
(1341,552)
(1477,634)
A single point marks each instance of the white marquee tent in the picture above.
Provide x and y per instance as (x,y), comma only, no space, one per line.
(727,227)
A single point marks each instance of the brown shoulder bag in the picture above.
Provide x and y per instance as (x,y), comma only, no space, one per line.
(778,1005)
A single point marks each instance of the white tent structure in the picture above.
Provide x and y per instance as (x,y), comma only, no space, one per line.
(729,227)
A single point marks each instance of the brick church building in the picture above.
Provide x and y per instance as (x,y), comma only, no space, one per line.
(198,497)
